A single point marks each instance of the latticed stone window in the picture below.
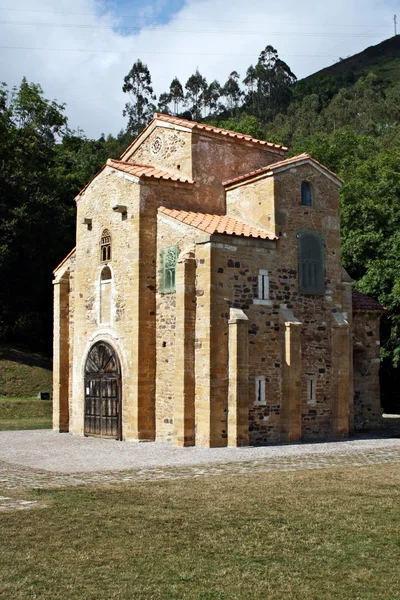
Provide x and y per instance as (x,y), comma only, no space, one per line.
(105,246)
(311,263)
(168,260)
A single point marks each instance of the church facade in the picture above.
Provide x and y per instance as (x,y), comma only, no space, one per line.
(205,302)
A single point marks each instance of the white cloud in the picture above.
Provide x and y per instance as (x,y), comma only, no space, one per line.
(217,36)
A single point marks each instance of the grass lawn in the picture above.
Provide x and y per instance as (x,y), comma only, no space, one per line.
(23,373)
(306,535)
(25,413)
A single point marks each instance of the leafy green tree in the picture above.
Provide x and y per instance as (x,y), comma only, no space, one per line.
(137,83)
(195,87)
(211,95)
(164,101)
(269,85)
(35,226)
(176,94)
(232,93)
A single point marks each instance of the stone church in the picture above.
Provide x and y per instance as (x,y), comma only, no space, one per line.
(205,302)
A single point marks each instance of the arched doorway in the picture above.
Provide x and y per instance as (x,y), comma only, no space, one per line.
(102,392)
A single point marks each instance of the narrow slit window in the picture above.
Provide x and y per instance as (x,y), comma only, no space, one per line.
(260,391)
(105,295)
(306,194)
(105,250)
(263,285)
(311,391)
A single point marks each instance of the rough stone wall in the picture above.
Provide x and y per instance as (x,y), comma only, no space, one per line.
(253,203)
(218,158)
(71,326)
(169,233)
(234,283)
(96,203)
(315,312)
(168,149)
(367,407)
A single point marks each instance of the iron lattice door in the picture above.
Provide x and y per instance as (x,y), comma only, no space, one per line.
(102,393)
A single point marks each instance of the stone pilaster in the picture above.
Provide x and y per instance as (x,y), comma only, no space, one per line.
(341,388)
(61,355)
(211,402)
(184,419)
(291,378)
(238,390)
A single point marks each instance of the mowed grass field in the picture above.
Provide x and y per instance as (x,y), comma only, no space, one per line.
(306,535)
(22,375)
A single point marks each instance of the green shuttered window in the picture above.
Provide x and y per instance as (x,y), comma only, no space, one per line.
(311,263)
(168,258)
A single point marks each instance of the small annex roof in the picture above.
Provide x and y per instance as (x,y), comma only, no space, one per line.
(216,223)
(282,165)
(145,171)
(64,260)
(363,302)
(136,170)
(196,126)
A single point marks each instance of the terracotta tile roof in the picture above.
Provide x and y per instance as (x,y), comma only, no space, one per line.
(234,135)
(216,223)
(363,302)
(269,169)
(225,132)
(64,260)
(144,171)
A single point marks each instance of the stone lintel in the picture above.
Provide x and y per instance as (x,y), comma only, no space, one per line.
(340,320)
(236,315)
(288,317)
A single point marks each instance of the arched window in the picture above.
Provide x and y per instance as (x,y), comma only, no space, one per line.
(105,250)
(306,194)
(311,263)
(105,295)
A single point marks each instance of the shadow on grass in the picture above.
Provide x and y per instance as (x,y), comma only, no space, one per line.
(25,357)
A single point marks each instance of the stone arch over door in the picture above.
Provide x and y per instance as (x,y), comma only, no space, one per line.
(102,412)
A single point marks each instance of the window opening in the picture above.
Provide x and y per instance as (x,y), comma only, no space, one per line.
(311,263)
(311,391)
(306,194)
(105,295)
(260,391)
(105,246)
(168,269)
(263,285)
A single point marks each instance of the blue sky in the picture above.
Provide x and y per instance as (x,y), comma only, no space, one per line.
(80,50)
(153,12)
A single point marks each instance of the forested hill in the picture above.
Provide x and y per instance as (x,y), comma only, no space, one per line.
(382,60)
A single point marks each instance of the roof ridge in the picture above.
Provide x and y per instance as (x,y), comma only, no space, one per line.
(215,129)
(269,169)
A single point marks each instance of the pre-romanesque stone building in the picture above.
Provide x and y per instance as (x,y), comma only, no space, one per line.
(205,302)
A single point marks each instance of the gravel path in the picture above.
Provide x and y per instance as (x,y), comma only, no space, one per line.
(32,459)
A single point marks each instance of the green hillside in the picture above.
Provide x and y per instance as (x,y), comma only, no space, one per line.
(383,60)
(24,373)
